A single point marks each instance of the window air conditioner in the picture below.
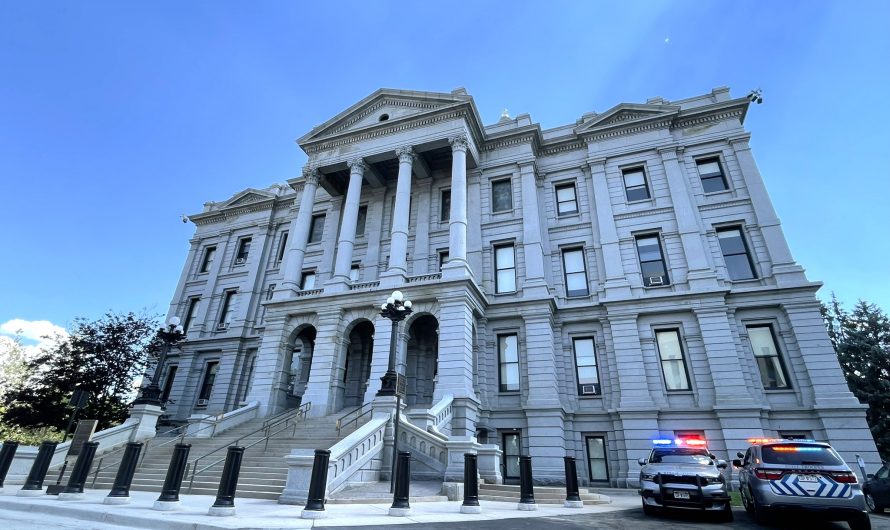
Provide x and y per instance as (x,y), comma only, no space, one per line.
(588,389)
(656,280)
(240,261)
(203,402)
(222,326)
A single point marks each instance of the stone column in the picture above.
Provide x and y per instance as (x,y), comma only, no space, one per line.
(540,357)
(616,284)
(292,266)
(324,363)
(379,356)
(457,266)
(326,268)
(634,389)
(346,241)
(474,231)
(533,248)
(398,247)
(730,386)
(269,365)
(784,269)
(701,274)
(455,374)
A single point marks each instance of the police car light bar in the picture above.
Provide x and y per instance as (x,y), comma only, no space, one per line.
(665,442)
(756,441)
(679,441)
(696,441)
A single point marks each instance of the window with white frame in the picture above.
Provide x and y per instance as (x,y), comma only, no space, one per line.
(735,253)
(508,361)
(307,281)
(635,186)
(566,199)
(505,269)
(575,272)
(443,258)
(652,264)
(585,366)
(673,362)
(769,362)
(501,195)
(354,272)
(711,172)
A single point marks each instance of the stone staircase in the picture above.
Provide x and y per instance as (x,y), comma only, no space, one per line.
(543,494)
(263,470)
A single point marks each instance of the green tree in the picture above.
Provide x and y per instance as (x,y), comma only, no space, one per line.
(861,338)
(13,364)
(102,357)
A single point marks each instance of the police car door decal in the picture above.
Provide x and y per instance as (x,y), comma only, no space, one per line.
(820,487)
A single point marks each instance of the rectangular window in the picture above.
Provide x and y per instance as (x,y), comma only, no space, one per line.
(445,206)
(207,261)
(361,220)
(271,292)
(243,251)
(566,199)
(735,254)
(501,196)
(190,314)
(210,370)
(673,365)
(168,383)
(223,321)
(772,369)
(508,359)
(443,258)
(307,282)
(505,269)
(282,247)
(575,272)
(316,228)
(652,263)
(635,186)
(354,273)
(711,172)
(512,447)
(585,364)
(597,465)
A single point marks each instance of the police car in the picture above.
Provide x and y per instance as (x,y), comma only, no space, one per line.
(799,476)
(682,474)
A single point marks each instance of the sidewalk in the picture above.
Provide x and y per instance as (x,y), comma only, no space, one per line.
(257,513)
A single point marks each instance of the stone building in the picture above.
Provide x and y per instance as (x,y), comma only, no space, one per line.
(577,291)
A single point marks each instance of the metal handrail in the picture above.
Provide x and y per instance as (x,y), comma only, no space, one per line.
(284,417)
(341,424)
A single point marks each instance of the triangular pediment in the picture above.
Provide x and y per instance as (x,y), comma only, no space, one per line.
(626,113)
(382,108)
(246,197)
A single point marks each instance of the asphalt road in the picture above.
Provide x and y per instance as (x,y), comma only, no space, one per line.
(630,520)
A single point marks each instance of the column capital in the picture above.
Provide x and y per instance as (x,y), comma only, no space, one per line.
(597,164)
(668,152)
(459,142)
(406,154)
(357,165)
(739,142)
(310,175)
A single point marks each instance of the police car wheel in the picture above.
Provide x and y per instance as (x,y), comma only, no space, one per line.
(746,502)
(872,505)
(649,510)
(860,523)
(761,514)
(725,514)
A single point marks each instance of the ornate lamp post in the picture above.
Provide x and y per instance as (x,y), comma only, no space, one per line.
(396,309)
(170,335)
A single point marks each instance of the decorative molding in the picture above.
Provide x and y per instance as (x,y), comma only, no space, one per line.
(596,136)
(357,165)
(688,122)
(568,228)
(406,155)
(459,143)
(643,213)
(528,138)
(725,204)
(561,148)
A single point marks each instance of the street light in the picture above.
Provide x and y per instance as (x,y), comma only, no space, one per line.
(396,309)
(169,335)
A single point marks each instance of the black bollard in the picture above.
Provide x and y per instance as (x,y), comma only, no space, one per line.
(74,489)
(169,498)
(573,498)
(526,489)
(34,483)
(6,456)
(225,495)
(471,485)
(400,505)
(317,484)
(120,491)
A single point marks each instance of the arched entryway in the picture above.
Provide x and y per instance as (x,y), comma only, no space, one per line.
(421,361)
(357,367)
(302,345)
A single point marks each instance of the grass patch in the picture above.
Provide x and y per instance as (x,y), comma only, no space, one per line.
(736,498)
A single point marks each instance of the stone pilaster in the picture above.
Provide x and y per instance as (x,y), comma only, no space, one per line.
(346,240)
(326,267)
(455,375)
(634,390)
(379,356)
(422,229)
(199,326)
(616,284)
(325,363)
(292,266)
(253,282)
(474,231)
(398,248)
(540,359)
(457,266)
(269,367)
(179,306)
(730,389)
(535,284)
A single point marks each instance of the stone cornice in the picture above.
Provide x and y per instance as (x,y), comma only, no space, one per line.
(643,213)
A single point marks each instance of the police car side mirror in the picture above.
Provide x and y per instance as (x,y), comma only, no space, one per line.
(642,461)
(736,463)
(740,454)
(721,464)
(870,476)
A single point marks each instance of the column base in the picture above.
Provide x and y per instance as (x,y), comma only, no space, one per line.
(71,496)
(337,284)
(574,504)
(221,511)
(392,278)
(30,493)
(456,269)
(116,501)
(313,514)
(166,506)
(470,509)
(399,512)
(527,507)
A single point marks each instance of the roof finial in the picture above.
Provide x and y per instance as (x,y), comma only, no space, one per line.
(505,116)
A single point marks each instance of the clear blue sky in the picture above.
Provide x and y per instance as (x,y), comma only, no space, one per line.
(117,117)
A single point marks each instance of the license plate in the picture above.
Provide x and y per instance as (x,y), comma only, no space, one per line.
(681,495)
(807,478)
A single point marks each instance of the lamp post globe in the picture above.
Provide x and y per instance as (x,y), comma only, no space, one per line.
(395,309)
(169,334)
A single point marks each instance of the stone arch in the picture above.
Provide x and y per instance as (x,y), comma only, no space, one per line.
(298,354)
(421,358)
(353,366)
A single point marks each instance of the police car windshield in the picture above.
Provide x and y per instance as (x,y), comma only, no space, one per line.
(680,455)
(800,454)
